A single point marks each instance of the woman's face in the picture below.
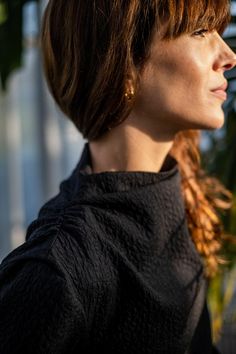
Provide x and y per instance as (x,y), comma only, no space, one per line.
(180,83)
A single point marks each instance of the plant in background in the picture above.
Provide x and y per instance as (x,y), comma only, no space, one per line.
(219,159)
(11,38)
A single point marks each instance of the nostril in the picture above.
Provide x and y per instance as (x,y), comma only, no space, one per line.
(230,65)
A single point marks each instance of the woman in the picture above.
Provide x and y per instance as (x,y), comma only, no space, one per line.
(118,261)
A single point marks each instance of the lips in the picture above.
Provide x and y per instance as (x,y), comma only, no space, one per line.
(221,91)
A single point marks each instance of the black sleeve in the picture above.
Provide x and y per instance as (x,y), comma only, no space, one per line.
(215,350)
(202,339)
(40,312)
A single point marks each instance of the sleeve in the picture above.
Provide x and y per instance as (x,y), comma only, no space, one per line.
(40,311)
(202,339)
(215,350)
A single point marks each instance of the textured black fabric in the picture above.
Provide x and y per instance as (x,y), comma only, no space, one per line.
(108,266)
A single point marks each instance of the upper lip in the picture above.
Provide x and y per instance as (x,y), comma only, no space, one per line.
(223,87)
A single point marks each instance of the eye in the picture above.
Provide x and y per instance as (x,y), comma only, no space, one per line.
(200,32)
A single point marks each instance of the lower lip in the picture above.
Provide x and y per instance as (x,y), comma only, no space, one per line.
(220,94)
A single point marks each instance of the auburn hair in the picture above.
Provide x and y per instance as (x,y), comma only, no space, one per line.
(88,49)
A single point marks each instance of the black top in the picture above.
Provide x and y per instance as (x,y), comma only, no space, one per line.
(108,266)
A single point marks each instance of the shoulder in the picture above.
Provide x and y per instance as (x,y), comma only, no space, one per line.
(60,276)
(62,241)
(41,310)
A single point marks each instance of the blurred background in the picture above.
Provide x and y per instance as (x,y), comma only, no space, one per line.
(39,148)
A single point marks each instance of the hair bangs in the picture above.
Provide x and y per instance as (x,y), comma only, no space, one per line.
(186,16)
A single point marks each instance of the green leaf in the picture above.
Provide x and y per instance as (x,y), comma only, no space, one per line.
(10,38)
(3,12)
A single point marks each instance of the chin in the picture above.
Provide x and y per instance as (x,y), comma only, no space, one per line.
(217,122)
(214,121)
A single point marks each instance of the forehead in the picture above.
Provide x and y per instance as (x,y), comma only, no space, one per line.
(184,16)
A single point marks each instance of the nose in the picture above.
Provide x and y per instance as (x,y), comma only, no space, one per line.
(227,57)
(230,61)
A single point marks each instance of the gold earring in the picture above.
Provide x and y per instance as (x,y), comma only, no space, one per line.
(130,94)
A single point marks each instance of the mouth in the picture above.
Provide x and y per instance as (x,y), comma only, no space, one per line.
(220,91)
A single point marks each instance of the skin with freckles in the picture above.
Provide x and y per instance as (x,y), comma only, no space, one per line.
(176,93)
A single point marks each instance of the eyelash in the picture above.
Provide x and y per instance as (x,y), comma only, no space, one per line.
(200,32)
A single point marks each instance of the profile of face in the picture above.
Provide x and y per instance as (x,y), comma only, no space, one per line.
(182,84)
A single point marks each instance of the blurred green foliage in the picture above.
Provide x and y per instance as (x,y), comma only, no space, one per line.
(11,43)
(3,13)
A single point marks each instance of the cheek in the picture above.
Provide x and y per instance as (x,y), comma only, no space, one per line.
(171,84)
(175,84)
(172,72)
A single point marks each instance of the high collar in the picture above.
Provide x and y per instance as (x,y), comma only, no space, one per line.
(120,181)
(152,200)
(111,181)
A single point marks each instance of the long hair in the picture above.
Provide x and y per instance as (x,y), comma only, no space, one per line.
(89,48)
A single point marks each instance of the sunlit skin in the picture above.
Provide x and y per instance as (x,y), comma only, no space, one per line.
(177,92)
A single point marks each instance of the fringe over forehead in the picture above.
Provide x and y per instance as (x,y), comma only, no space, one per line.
(185,16)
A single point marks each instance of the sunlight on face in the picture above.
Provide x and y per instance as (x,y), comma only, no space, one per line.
(179,83)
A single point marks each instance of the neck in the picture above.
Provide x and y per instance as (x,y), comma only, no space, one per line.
(127,148)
